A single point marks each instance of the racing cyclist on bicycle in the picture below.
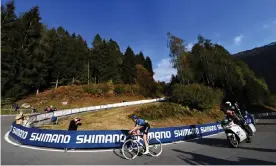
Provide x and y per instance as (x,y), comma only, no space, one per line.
(144,129)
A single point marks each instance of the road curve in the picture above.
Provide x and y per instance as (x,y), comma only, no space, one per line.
(212,150)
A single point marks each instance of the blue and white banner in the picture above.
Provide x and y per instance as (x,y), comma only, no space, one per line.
(99,139)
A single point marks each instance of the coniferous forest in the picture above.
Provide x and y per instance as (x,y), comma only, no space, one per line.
(35,58)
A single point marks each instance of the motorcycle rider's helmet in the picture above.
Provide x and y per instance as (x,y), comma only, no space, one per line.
(228,103)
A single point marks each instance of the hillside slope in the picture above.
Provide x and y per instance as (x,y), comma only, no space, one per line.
(262,61)
(76,96)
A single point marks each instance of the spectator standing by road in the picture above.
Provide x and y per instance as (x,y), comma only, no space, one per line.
(15,106)
(19,118)
(54,120)
(74,124)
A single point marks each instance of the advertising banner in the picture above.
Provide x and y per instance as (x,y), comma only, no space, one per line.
(98,139)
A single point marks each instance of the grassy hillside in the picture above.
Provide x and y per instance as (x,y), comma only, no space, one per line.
(119,118)
(81,96)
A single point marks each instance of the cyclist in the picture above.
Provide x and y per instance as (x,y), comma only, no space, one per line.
(144,129)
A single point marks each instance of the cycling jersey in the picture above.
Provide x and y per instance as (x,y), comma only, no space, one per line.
(141,122)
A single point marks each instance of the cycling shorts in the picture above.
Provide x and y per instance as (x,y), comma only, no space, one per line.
(145,128)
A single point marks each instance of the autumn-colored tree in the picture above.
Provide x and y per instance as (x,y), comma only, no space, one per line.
(145,80)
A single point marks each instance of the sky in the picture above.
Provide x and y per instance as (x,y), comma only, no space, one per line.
(143,24)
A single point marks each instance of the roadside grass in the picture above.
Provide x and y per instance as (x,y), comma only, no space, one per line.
(6,111)
(77,96)
(119,118)
(85,102)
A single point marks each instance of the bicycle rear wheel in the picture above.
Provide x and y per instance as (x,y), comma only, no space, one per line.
(155,147)
(130,149)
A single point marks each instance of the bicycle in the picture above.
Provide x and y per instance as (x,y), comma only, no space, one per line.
(136,144)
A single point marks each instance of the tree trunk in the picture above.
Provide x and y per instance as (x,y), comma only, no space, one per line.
(56,83)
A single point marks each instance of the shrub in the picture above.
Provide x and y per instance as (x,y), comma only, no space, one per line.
(159,89)
(91,90)
(135,89)
(271,100)
(97,89)
(196,96)
(52,95)
(119,90)
(105,87)
(162,111)
(7,101)
(127,89)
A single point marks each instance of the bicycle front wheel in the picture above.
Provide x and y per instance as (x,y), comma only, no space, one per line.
(130,149)
(155,147)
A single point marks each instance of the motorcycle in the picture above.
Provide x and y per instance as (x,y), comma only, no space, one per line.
(235,134)
(251,123)
(249,119)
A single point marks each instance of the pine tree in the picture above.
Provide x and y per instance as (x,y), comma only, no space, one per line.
(61,64)
(115,58)
(148,65)
(9,39)
(26,70)
(106,63)
(43,60)
(97,41)
(81,57)
(128,67)
(32,71)
(94,59)
(140,59)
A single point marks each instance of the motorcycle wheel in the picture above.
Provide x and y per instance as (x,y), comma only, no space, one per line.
(233,141)
(249,139)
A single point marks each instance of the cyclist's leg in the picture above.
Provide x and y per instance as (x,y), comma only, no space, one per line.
(145,136)
(138,132)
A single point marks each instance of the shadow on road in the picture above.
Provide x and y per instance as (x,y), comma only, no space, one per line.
(199,159)
(118,152)
(259,123)
(216,142)
(259,109)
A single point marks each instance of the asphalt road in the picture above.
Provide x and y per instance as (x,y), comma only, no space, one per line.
(212,150)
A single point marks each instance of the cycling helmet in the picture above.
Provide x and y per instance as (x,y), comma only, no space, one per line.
(134,117)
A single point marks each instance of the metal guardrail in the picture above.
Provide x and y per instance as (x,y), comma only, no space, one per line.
(44,116)
(265,114)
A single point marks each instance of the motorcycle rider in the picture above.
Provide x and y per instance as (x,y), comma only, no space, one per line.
(237,119)
(247,115)
(244,113)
